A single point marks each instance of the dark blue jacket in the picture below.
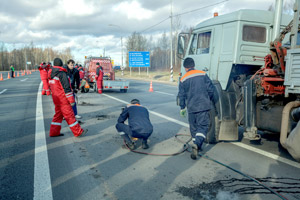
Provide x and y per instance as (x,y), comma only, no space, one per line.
(196,91)
(74,77)
(138,119)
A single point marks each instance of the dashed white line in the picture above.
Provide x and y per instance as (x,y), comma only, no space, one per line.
(165,93)
(42,181)
(245,146)
(24,79)
(3,91)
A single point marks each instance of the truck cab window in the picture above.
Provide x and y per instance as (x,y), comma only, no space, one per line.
(193,45)
(254,34)
(203,43)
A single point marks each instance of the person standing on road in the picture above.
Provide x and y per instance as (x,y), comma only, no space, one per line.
(63,100)
(139,125)
(81,73)
(196,92)
(73,74)
(43,68)
(12,71)
(99,77)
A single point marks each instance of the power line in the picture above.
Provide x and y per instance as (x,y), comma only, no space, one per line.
(154,25)
(200,8)
(182,14)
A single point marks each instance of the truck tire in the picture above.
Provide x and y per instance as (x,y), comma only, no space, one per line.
(95,87)
(86,90)
(123,90)
(212,136)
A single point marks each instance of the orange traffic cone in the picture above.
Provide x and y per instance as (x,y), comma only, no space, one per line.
(1,78)
(151,88)
(8,76)
(17,74)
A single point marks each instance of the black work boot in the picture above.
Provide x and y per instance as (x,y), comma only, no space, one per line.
(195,151)
(131,145)
(145,145)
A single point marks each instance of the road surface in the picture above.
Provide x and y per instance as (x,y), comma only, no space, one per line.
(96,166)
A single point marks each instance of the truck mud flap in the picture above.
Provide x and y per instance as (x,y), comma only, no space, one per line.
(228,130)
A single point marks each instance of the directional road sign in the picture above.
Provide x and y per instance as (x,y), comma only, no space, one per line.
(139,59)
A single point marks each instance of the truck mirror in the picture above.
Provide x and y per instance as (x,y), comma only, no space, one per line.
(181,43)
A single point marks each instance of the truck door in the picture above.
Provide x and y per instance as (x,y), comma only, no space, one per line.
(200,50)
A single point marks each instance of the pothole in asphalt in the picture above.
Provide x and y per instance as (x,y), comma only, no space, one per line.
(103,117)
(83,103)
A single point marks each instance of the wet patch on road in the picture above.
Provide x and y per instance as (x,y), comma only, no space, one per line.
(233,188)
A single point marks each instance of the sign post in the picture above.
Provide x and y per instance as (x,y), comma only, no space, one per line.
(139,59)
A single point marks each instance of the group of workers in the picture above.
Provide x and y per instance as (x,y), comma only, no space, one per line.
(196,96)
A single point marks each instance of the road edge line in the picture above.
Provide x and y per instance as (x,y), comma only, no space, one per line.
(245,146)
(42,181)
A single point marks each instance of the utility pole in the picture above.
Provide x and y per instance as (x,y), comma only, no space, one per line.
(122,56)
(171,50)
(26,59)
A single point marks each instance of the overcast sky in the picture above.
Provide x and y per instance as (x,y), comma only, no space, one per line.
(89,26)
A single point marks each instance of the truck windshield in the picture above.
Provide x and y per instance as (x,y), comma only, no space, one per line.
(254,34)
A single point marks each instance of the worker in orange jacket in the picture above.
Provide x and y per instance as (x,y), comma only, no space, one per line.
(99,77)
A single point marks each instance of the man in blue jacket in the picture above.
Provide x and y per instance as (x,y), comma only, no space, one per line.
(196,92)
(139,125)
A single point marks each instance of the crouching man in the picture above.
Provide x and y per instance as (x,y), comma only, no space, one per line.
(139,125)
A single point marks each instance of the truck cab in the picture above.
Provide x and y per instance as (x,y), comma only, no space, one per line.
(235,41)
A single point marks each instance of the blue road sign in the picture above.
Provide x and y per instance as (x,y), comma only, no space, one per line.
(139,59)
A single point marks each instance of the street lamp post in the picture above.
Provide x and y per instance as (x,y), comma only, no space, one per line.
(122,68)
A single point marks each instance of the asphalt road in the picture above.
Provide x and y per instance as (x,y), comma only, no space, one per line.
(98,167)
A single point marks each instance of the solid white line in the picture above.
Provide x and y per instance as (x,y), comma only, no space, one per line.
(24,79)
(270,155)
(42,181)
(165,93)
(3,91)
(250,148)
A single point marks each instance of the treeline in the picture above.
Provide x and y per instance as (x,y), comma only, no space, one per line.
(34,55)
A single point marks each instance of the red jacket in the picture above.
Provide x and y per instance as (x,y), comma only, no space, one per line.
(60,85)
(44,72)
(99,74)
(81,74)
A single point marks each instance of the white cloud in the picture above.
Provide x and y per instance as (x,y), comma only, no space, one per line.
(77,7)
(133,10)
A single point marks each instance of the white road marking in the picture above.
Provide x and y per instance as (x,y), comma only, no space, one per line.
(165,93)
(24,79)
(245,146)
(3,91)
(42,181)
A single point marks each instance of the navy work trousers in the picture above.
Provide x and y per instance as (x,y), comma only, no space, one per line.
(199,124)
(121,127)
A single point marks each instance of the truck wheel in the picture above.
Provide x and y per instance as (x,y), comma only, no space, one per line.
(86,90)
(212,136)
(123,90)
(95,87)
